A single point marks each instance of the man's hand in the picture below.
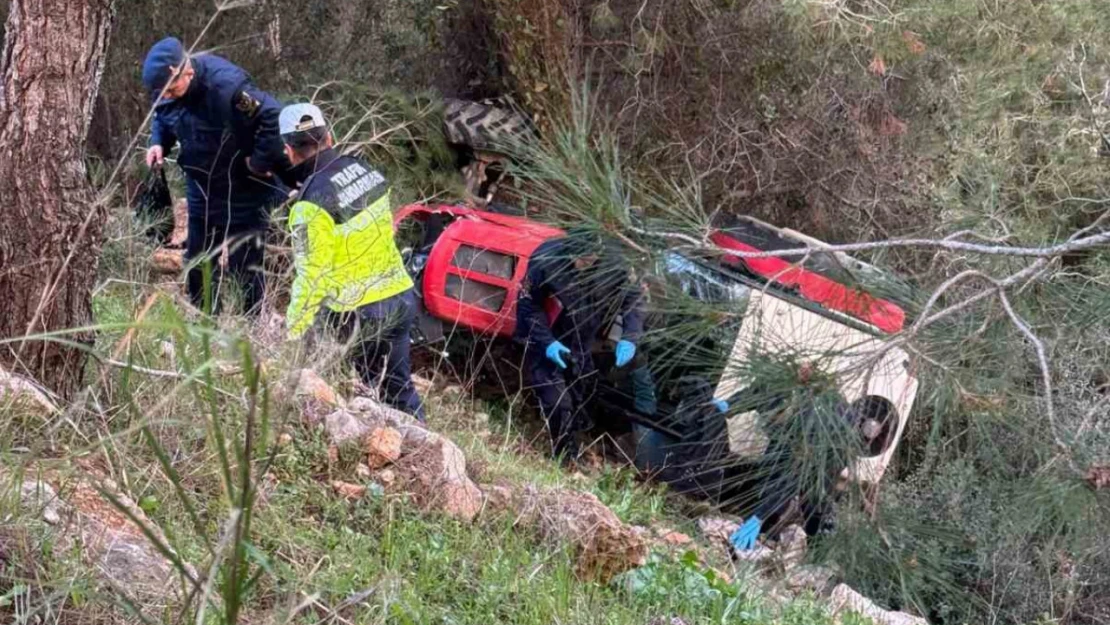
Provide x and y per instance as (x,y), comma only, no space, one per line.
(155,156)
(744,538)
(260,174)
(626,351)
(555,353)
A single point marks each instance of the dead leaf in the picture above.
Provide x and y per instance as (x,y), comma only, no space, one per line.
(676,539)
(1099,477)
(877,66)
(348,490)
(913,42)
(891,126)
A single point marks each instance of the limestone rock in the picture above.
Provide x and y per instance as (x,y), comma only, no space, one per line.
(313,397)
(41,498)
(718,530)
(17,390)
(815,578)
(499,497)
(759,555)
(345,427)
(116,547)
(310,384)
(423,385)
(844,598)
(433,470)
(386,477)
(383,447)
(605,546)
(792,547)
(374,412)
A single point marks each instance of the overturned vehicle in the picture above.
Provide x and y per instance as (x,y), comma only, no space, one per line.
(469,266)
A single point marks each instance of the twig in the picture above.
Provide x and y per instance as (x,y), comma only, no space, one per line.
(1051,251)
(1046,375)
(157,373)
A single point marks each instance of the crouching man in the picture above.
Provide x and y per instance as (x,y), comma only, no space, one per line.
(813,438)
(346,259)
(590,288)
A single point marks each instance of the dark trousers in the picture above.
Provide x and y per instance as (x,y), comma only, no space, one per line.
(246,255)
(563,394)
(381,348)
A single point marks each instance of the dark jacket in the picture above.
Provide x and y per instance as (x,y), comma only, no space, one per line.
(343,246)
(219,122)
(590,299)
(806,453)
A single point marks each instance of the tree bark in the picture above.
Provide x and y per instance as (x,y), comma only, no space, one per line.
(51,227)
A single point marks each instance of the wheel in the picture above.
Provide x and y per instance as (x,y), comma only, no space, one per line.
(485,124)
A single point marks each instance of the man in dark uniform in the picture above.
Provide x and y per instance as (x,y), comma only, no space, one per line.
(813,437)
(230,150)
(591,287)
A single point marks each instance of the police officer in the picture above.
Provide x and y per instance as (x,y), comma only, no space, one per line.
(230,149)
(345,257)
(591,287)
(797,468)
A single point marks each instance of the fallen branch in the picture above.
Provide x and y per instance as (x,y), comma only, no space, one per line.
(1052,251)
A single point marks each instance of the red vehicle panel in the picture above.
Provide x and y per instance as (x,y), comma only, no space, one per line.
(476,266)
(815,287)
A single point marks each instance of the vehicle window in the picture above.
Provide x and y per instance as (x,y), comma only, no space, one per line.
(485,261)
(702,283)
(695,323)
(480,294)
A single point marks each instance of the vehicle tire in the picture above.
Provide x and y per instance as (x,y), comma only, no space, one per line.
(485,124)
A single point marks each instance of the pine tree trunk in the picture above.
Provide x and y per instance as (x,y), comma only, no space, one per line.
(50,226)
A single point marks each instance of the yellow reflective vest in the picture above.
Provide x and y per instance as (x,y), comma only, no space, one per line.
(343,247)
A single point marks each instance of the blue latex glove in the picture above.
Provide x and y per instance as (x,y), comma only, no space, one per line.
(721,405)
(555,353)
(744,538)
(626,350)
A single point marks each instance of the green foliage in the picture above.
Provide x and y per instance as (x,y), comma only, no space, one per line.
(192,450)
(401,133)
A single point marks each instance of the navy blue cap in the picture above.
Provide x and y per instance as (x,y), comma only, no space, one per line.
(160,61)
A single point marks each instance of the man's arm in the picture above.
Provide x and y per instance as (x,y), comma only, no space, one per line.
(162,134)
(780,485)
(259,111)
(311,254)
(531,319)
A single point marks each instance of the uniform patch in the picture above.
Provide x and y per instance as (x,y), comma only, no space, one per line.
(247,104)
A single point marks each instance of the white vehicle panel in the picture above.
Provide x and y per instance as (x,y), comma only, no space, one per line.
(863,364)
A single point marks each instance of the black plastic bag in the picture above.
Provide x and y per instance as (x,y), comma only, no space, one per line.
(154,206)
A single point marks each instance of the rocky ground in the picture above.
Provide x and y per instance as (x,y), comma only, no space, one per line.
(373,449)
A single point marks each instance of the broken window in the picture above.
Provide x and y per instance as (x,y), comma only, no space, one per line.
(487,262)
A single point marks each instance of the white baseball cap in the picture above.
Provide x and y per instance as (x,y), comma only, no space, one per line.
(300,117)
